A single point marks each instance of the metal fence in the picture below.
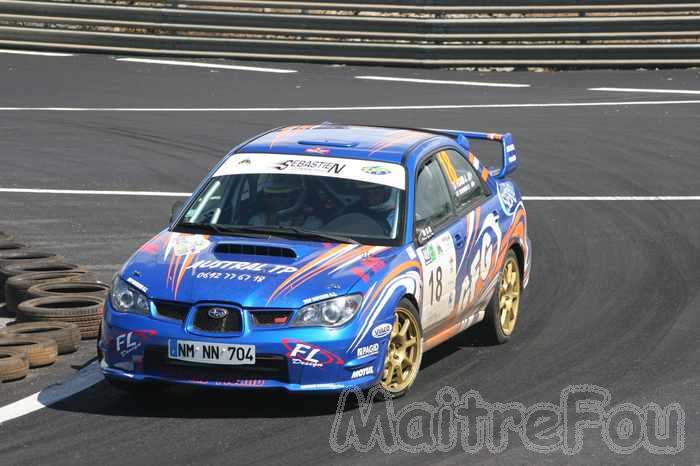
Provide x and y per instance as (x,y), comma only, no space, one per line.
(437,33)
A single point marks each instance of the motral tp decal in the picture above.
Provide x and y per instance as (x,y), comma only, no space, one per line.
(384,173)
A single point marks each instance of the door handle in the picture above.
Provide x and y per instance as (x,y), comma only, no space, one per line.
(459,240)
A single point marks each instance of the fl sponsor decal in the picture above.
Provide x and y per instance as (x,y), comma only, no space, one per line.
(308,354)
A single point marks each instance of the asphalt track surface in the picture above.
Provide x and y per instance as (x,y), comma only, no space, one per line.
(613,299)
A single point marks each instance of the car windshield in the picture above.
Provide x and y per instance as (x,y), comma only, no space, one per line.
(316,198)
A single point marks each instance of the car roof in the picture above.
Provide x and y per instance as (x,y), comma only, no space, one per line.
(386,144)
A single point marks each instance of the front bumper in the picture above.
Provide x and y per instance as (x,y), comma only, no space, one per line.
(135,348)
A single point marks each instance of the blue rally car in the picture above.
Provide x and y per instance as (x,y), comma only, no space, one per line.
(323,257)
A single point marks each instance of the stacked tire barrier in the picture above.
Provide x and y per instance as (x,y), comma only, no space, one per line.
(440,33)
(56,304)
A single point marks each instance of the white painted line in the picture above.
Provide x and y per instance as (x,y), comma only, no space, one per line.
(206,65)
(94,192)
(340,109)
(611,198)
(176,194)
(632,89)
(86,378)
(32,52)
(437,81)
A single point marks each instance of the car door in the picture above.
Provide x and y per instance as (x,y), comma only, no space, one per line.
(478,212)
(434,224)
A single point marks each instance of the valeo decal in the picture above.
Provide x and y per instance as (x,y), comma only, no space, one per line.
(382,330)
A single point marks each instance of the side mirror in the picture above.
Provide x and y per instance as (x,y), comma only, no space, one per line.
(175,209)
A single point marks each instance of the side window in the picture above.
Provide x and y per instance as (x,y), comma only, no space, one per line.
(463,180)
(433,203)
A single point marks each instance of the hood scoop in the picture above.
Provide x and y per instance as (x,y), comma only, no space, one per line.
(255,250)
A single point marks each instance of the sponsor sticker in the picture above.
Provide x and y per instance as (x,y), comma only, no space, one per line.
(320,297)
(311,165)
(382,330)
(506,194)
(384,173)
(308,354)
(260,267)
(425,233)
(369,350)
(376,170)
(126,343)
(136,284)
(317,150)
(356,374)
(185,244)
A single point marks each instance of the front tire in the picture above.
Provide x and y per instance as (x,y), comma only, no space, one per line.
(502,311)
(405,351)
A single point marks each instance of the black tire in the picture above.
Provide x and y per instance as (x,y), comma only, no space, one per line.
(406,305)
(85,311)
(16,287)
(20,257)
(65,334)
(6,245)
(15,256)
(14,365)
(40,351)
(76,287)
(492,329)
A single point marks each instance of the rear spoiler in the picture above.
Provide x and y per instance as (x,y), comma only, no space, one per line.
(509,153)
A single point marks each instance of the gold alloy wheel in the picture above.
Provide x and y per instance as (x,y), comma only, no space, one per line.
(405,352)
(509,296)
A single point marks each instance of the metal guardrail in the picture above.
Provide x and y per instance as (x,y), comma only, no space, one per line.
(658,33)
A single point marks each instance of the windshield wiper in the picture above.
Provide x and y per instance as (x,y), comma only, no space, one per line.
(268,231)
(304,233)
(223,230)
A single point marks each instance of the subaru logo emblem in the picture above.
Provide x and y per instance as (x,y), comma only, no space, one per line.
(217,313)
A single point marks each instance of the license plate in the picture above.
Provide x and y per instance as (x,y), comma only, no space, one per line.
(211,353)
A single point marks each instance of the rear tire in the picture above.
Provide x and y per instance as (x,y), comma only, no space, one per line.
(503,308)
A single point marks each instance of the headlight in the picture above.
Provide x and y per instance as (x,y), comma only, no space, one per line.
(126,298)
(331,313)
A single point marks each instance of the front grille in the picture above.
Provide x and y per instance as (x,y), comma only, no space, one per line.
(266,367)
(265,318)
(172,310)
(232,322)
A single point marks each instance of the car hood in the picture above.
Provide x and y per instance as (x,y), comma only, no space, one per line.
(250,272)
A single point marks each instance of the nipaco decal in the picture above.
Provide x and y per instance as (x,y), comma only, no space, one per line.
(380,331)
(369,350)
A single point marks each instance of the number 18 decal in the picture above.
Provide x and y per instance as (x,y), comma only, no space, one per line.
(438,260)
